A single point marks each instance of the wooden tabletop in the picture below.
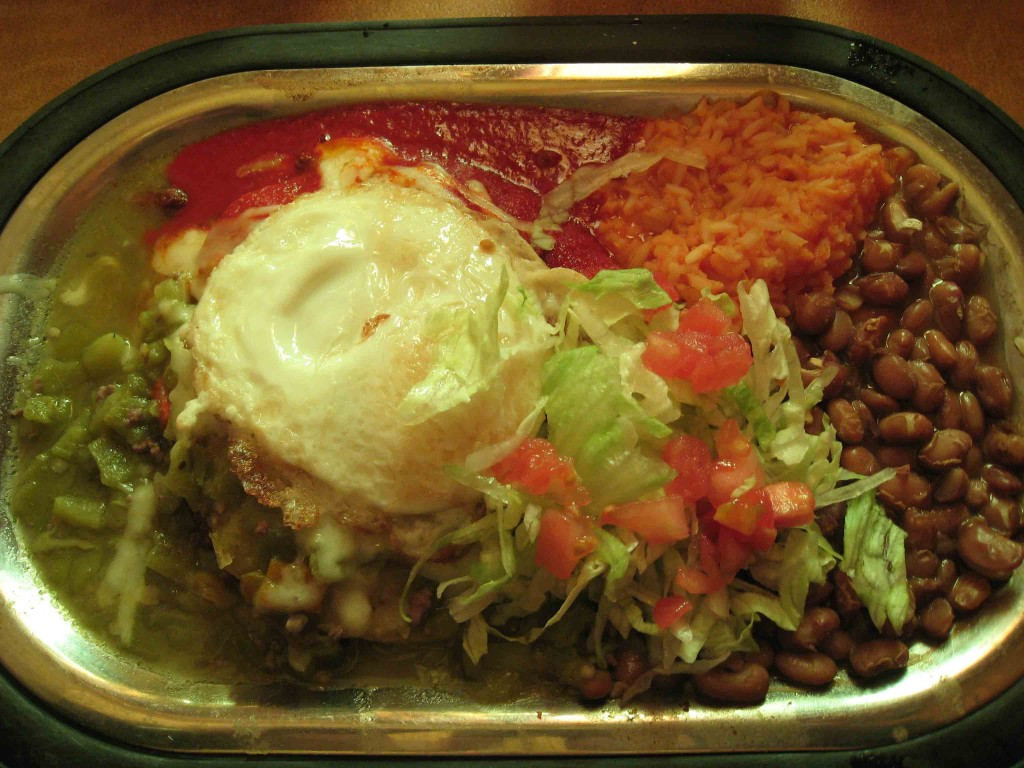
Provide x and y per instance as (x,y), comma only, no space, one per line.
(49,45)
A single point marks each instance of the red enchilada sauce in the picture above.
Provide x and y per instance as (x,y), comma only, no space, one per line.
(516,153)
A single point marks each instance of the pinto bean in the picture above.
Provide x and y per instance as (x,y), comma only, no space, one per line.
(966,366)
(948,306)
(1003,446)
(918,316)
(880,404)
(896,456)
(815,625)
(937,617)
(1001,480)
(856,458)
(922,563)
(937,202)
(874,657)
(814,312)
(846,600)
(980,322)
(947,575)
(941,351)
(969,591)
(848,298)
(905,491)
(900,342)
(886,289)
(880,255)
(748,685)
(913,266)
(1004,515)
(952,486)
(898,224)
(995,390)
(868,335)
(929,387)
(809,668)
(905,428)
(923,526)
(972,415)
(957,231)
(838,645)
(947,448)
(893,375)
(950,415)
(961,265)
(976,494)
(629,666)
(846,421)
(919,181)
(988,552)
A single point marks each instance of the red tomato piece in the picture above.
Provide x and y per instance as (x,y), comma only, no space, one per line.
(536,466)
(690,457)
(696,582)
(564,539)
(163,402)
(792,503)
(742,514)
(704,317)
(666,285)
(659,521)
(733,555)
(669,610)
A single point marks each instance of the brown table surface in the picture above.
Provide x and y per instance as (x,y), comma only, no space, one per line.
(49,45)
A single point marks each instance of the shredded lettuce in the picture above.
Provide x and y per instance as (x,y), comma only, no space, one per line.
(637,286)
(592,419)
(874,559)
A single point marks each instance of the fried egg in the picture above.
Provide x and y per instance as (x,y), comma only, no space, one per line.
(313,330)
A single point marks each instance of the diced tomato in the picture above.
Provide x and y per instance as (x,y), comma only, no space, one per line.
(696,582)
(691,460)
(742,514)
(659,521)
(733,555)
(564,539)
(704,317)
(666,285)
(730,442)
(737,464)
(763,537)
(669,610)
(163,402)
(792,503)
(536,466)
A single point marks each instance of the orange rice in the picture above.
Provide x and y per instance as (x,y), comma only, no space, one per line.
(786,196)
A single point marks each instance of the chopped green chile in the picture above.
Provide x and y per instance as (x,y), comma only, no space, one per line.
(80,512)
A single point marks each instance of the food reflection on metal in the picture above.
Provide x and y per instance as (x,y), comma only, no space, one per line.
(111,693)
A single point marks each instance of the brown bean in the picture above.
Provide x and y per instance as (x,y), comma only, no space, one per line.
(931,241)
(924,525)
(1003,515)
(830,518)
(966,367)
(880,404)
(920,350)
(980,322)
(838,334)
(946,449)
(813,421)
(937,202)
(947,575)
(813,669)
(905,491)
(1004,446)
(843,374)
(629,666)
(893,375)
(919,181)
(880,255)
(1001,480)
(900,342)
(814,312)
(846,421)
(995,390)
(969,591)
(592,683)
(948,307)
(838,645)
(950,415)
(923,589)
(815,625)
(856,458)
(972,416)
(941,351)
(922,563)
(897,222)
(961,265)
(937,617)
(763,656)
(899,160)
(867,418)
(988,552)
(905,428)
(952,486)
(848,298)
(886,289)
(977,493)
(874,657)
(918,316)
(957,231)
(929,386)
(868,335)
(846,600)
(749,685)
(896,456)
(913,266)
